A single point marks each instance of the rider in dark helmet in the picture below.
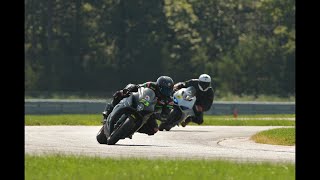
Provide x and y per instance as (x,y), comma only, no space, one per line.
(165,85)
(163,89)
(204,95)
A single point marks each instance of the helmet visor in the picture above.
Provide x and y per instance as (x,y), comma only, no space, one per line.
(204,85)
(166,91)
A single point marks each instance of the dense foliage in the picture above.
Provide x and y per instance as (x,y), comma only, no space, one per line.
(247,46)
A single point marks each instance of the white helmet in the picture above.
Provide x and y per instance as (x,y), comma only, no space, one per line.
(204,82)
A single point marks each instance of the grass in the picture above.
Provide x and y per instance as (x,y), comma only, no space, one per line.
(278,136)
(58,167)
(64,119)
(214,120)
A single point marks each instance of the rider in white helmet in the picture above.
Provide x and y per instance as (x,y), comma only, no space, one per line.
(204,94)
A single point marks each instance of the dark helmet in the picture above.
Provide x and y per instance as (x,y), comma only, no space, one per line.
(204,82)
(165,84)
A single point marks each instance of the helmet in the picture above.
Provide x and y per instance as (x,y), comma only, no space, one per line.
(204,82)
(165,84)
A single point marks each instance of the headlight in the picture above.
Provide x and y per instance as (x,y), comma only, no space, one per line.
(187,98)
(175,100)
(140,107)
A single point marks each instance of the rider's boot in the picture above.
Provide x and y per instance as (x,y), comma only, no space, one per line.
(186,122)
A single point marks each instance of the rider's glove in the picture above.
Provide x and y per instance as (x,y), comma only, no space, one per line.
(125,92)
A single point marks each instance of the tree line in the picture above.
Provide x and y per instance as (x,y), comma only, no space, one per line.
(248,47)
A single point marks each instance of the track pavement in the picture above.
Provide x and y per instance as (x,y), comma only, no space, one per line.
(191,142)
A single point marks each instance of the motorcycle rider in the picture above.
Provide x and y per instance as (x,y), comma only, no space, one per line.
(204,95)
(163,89)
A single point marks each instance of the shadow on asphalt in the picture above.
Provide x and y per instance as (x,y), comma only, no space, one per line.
(139,145)
(186,131)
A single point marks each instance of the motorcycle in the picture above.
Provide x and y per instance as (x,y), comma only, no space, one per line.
(127,117)
(184,100)
(161,114)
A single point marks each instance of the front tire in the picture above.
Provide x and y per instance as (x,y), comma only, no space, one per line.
(101,137)
(122,131)
(173,119)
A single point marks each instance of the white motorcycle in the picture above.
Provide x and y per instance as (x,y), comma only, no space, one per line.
(184,100)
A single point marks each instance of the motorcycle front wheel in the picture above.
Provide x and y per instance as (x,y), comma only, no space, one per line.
(121,132)
(172,120)
(101,137)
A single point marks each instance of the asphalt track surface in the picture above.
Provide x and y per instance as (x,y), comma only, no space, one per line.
(191,142)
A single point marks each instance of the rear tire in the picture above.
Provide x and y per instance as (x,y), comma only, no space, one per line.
(101,137)
(121,132)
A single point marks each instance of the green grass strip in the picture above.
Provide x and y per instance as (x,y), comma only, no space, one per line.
(214,120)
(278,136)
(63,119)
(58,167)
